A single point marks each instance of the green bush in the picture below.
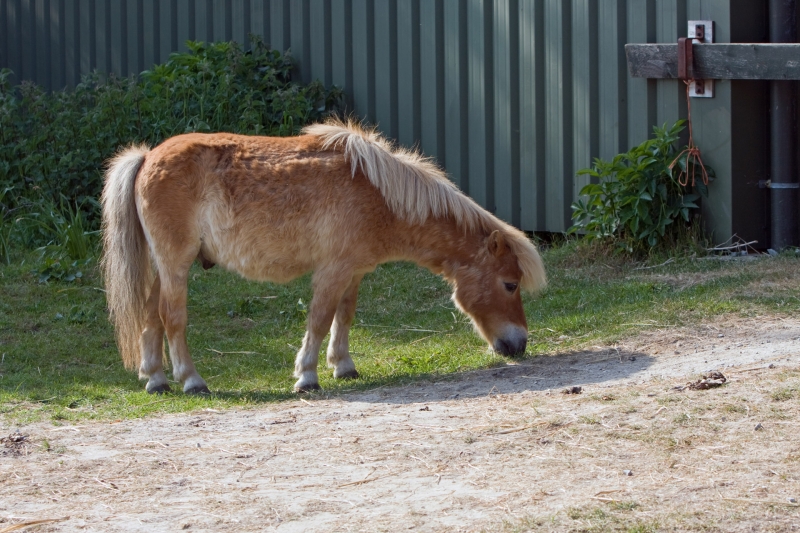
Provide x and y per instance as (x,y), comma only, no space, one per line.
(5,230)
(637,197)
(53,145)
(217,87)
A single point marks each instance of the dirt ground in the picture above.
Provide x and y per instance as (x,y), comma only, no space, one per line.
(503,449)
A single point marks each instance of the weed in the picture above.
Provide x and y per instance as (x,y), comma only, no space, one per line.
(667,400)
(650,526)
(682,419)
(522,524)
(678,442)
(577,513)
(555,423)
(623,505)
(637,196)
(54,266)
(784,394)
(6,225)
(734,408)
(779,414)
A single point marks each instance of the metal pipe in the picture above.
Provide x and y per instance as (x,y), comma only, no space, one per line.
(783,134)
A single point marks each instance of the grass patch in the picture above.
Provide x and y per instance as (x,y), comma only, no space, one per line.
(784,394)
(613,516)
(58,360)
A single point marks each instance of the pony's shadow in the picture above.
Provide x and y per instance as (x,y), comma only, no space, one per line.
(585,369)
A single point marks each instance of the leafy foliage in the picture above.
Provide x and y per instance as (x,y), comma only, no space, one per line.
(53,145)
(218,87)
(637,197)
(69,246)
(5,228)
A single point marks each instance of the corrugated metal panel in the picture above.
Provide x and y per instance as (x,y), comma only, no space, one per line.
(407,31)
(641,95)
(558,114)
(479,101)
(506,110)
(585,92)
(430,128)
(532,116)
(456,149)
(384,44)
(511,96)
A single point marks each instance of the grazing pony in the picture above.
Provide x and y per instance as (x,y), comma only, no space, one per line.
(338,200)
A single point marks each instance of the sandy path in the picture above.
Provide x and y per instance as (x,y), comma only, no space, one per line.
(495,449)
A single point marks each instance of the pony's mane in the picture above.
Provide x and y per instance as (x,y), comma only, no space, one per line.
(415,188)
(412,185)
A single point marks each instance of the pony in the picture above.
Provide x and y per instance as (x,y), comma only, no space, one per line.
(337,200)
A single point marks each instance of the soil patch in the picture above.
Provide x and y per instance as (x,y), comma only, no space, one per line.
(498,449)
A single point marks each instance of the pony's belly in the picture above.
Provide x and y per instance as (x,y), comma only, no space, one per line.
(263,264)
(257,249)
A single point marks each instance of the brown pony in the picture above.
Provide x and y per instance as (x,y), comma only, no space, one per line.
(337,200)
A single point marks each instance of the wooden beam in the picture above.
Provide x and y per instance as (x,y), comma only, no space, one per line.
(751,61)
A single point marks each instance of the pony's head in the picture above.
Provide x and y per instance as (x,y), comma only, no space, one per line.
(488,288)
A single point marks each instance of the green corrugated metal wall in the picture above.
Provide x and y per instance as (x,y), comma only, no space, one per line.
(511,96)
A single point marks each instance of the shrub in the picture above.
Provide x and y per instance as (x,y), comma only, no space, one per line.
(5,229)
(53,145)
(217,87)
(638,197)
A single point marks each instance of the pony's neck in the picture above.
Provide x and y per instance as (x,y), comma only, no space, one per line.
(440,245)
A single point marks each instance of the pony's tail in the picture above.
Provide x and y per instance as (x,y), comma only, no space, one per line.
(125,261)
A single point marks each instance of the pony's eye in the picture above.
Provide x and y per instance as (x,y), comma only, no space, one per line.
(510,287)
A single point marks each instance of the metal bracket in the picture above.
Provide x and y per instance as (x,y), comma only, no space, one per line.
(699,31)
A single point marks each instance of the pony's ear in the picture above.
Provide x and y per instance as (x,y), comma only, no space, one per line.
(496,243)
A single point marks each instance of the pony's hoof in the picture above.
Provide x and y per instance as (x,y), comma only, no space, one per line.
(307,388)
(350,374)
(159,389)
(199,390)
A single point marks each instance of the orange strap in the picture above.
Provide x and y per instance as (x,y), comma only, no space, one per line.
(692,152)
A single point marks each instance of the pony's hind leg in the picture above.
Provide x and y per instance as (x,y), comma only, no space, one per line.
(329,286)
(172,309)
(152,345)
(339,345)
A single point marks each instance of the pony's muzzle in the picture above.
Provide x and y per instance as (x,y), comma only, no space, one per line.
(512,342)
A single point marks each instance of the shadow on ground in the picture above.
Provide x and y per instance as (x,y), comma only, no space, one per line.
(583,369)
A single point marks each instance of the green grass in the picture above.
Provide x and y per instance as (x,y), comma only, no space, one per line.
(58,360)
(613,516)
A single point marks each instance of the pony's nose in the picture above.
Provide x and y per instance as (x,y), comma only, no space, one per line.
(513,346)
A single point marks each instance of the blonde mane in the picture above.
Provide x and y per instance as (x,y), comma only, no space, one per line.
(415,188)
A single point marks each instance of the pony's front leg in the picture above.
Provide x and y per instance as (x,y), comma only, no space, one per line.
(329,286)
(339,345)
